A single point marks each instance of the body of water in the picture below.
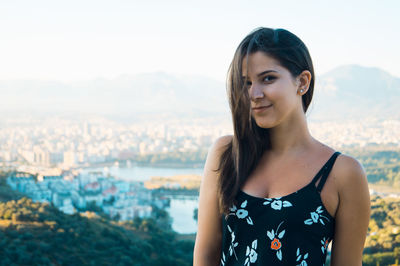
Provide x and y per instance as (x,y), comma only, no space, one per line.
(142,173)
(181,208)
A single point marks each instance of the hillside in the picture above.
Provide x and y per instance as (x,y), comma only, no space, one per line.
(355,92)
(39,234)
(383,240)
(381,165)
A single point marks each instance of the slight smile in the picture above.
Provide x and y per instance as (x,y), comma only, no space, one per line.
(261,108)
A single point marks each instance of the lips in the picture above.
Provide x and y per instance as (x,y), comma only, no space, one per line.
(262,107)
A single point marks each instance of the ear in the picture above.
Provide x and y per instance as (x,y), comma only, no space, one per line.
(303,82)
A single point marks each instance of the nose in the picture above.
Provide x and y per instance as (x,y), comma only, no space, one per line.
(256,92)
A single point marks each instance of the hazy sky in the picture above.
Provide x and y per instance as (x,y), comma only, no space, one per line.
(78,40)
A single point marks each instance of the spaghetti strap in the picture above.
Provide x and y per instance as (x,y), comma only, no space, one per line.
(324,172)
(297,221)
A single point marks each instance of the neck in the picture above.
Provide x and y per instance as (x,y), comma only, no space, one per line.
(291,136)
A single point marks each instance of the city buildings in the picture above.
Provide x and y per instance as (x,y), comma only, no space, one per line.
(118,199)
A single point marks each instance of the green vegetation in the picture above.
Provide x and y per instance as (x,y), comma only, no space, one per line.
(196,214)
(39,234)
(383,240)
(172,159)
(6,193)
(382,166)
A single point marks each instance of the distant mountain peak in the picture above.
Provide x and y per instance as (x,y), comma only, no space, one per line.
(348,91)
(348,71)
(354,91)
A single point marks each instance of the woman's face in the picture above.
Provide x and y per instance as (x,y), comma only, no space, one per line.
(273,91)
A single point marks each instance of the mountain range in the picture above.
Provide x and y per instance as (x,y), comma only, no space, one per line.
(355,92)
(346,92)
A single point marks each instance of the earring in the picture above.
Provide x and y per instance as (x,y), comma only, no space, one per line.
(301,90)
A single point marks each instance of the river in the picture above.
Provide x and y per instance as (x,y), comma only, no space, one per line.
(181,208)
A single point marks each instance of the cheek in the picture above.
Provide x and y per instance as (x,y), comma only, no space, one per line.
(277,93)
(282,97)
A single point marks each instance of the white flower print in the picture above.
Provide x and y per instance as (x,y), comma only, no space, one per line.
(223,259)
(276,244)
(303,261)
(316,217)
(324,243)
(233,243)
(251,254)
(241,213)
(277,203)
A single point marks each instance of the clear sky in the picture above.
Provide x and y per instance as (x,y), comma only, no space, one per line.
(83,39)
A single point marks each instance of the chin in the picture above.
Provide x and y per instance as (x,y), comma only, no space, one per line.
(265,124)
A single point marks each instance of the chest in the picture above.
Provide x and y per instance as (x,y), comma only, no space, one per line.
(276,228)
(283,178)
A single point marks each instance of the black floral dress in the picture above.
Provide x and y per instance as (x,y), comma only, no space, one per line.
(291,230)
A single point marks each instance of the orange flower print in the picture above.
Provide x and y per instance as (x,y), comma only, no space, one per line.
(324,246)
(274,236)
(276,244)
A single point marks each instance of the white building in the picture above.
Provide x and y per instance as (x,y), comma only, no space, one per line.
(63,201)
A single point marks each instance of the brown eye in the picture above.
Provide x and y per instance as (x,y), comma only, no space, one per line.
(269,78)
(247,84)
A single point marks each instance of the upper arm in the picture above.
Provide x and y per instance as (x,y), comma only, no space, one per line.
(209,231)
(352,215)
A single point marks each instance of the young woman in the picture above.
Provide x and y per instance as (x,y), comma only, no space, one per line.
(272,194)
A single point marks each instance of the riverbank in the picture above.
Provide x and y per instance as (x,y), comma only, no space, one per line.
(124,164)
(190,182)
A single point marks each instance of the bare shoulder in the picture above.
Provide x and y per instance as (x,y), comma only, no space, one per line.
(349,173)
(220,143)
(352,215)
(209,232)
(215,152)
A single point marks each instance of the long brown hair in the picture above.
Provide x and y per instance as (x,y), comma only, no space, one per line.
(249,140)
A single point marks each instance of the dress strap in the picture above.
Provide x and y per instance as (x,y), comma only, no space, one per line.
(324,172)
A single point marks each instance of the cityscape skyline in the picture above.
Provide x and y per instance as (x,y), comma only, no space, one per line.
(110,109)
(59,142)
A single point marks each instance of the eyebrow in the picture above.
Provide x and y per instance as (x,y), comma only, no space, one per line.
(263,73)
